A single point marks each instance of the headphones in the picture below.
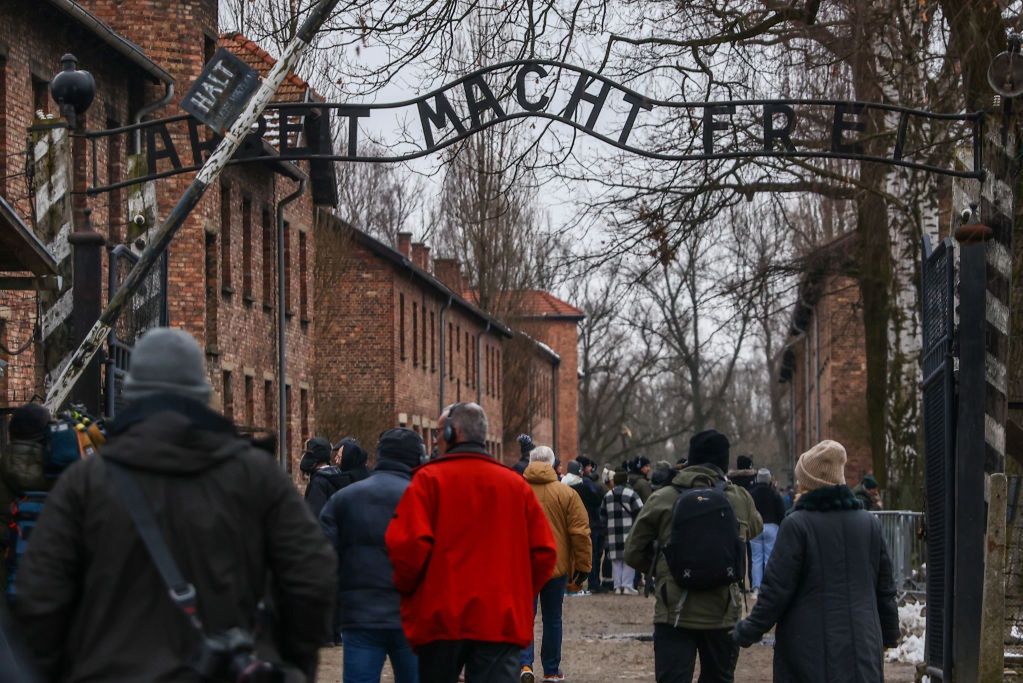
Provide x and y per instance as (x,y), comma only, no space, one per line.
(449,430)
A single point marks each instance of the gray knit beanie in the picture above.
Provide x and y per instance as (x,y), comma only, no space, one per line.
(167,361)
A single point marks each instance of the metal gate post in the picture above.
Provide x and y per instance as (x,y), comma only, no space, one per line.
(970,509)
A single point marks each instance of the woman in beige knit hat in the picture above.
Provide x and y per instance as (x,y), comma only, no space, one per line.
(828,585)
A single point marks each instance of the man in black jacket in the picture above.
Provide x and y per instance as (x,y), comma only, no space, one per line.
(91,603)
(355,520)
(324,478)
(772,509)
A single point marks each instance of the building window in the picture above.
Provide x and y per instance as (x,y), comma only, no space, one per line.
(287,422)
(40,95)
(401,324)
(268,405)
(423,343)
(287,269)
(212,295)
(467,385)
(451,353)
(250,401)
(433,343)
(303,291)
(415,334)
(225,237)
(268,257)
(458,338)
(115,198)
(247,248)
(303,407)
(228,396)
(497,372)
(486,370)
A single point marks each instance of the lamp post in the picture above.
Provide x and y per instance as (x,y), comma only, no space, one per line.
(73,91)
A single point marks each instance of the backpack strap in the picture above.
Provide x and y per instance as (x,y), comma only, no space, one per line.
(135,504)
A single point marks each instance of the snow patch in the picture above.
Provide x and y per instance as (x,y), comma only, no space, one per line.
(912,625)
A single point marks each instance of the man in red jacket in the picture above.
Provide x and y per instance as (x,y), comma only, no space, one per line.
(471,548)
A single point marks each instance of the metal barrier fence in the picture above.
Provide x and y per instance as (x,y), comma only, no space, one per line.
(903,532)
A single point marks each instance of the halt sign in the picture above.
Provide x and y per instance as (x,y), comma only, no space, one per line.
(220,93)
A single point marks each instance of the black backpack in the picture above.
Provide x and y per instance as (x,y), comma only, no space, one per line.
(705,550)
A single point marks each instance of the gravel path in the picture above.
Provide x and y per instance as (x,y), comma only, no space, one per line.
(607,639)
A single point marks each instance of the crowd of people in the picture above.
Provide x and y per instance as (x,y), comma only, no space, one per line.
(182,552)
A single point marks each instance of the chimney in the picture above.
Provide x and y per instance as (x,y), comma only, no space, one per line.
(421,255)
(449,271)
(404,243)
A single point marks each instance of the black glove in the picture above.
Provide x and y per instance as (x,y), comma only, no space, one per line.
(743,636)
(579,578)
(525,443)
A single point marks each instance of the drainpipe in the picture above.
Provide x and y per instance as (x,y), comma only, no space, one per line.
(555,369)
(806,392)
(817,369)
(443,351)
(282,395)
(479,364)
(168,95)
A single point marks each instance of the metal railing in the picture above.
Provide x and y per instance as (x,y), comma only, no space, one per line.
(903,533)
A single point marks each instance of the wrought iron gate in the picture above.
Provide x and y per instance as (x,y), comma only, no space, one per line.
(938,303)
(146,309)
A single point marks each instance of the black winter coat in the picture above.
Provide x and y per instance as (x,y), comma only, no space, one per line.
(769,503)
(90,601)
(829,588)
(592,495)
(323,483)
(355,520)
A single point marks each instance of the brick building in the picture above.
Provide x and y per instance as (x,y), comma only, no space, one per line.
(35,177)
(395,341)
(825,363)
(555,323)
(222,275)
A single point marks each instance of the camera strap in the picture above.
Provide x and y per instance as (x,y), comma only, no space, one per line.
(135,504)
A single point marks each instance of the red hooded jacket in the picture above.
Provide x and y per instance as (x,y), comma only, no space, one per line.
(471,547)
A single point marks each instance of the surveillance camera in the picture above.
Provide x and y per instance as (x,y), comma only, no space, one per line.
(139,220)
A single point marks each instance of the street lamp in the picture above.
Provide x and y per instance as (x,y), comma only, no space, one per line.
(72,90)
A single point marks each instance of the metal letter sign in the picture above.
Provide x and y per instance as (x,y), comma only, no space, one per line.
(219,95)
(588,102)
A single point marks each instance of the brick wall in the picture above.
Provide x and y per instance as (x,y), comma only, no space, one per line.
(380,358)
(32,40)
(562,336)
(842,367)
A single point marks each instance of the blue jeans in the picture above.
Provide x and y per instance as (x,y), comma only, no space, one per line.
(365,650)
(552,597)
(762,546)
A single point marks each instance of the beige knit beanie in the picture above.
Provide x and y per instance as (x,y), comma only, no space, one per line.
(823,465)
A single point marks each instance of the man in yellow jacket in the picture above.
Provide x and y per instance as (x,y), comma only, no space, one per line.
(571,528)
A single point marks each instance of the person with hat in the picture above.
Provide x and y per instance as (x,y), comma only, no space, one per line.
(744,474)
(869,493)
(691,623)
(639,476)
(829,585)
(772,510)
(324,478)
(355,520)
(618,513)
(592,495)
(352,459)
(91,601)
(21,467)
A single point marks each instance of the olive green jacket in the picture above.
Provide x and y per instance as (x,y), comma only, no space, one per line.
(716,608)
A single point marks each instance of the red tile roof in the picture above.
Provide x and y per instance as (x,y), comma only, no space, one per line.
(536,303)
(292,90)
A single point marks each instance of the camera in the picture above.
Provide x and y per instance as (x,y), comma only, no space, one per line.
(229,657)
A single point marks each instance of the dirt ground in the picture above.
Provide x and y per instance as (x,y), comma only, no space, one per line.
(607,638)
